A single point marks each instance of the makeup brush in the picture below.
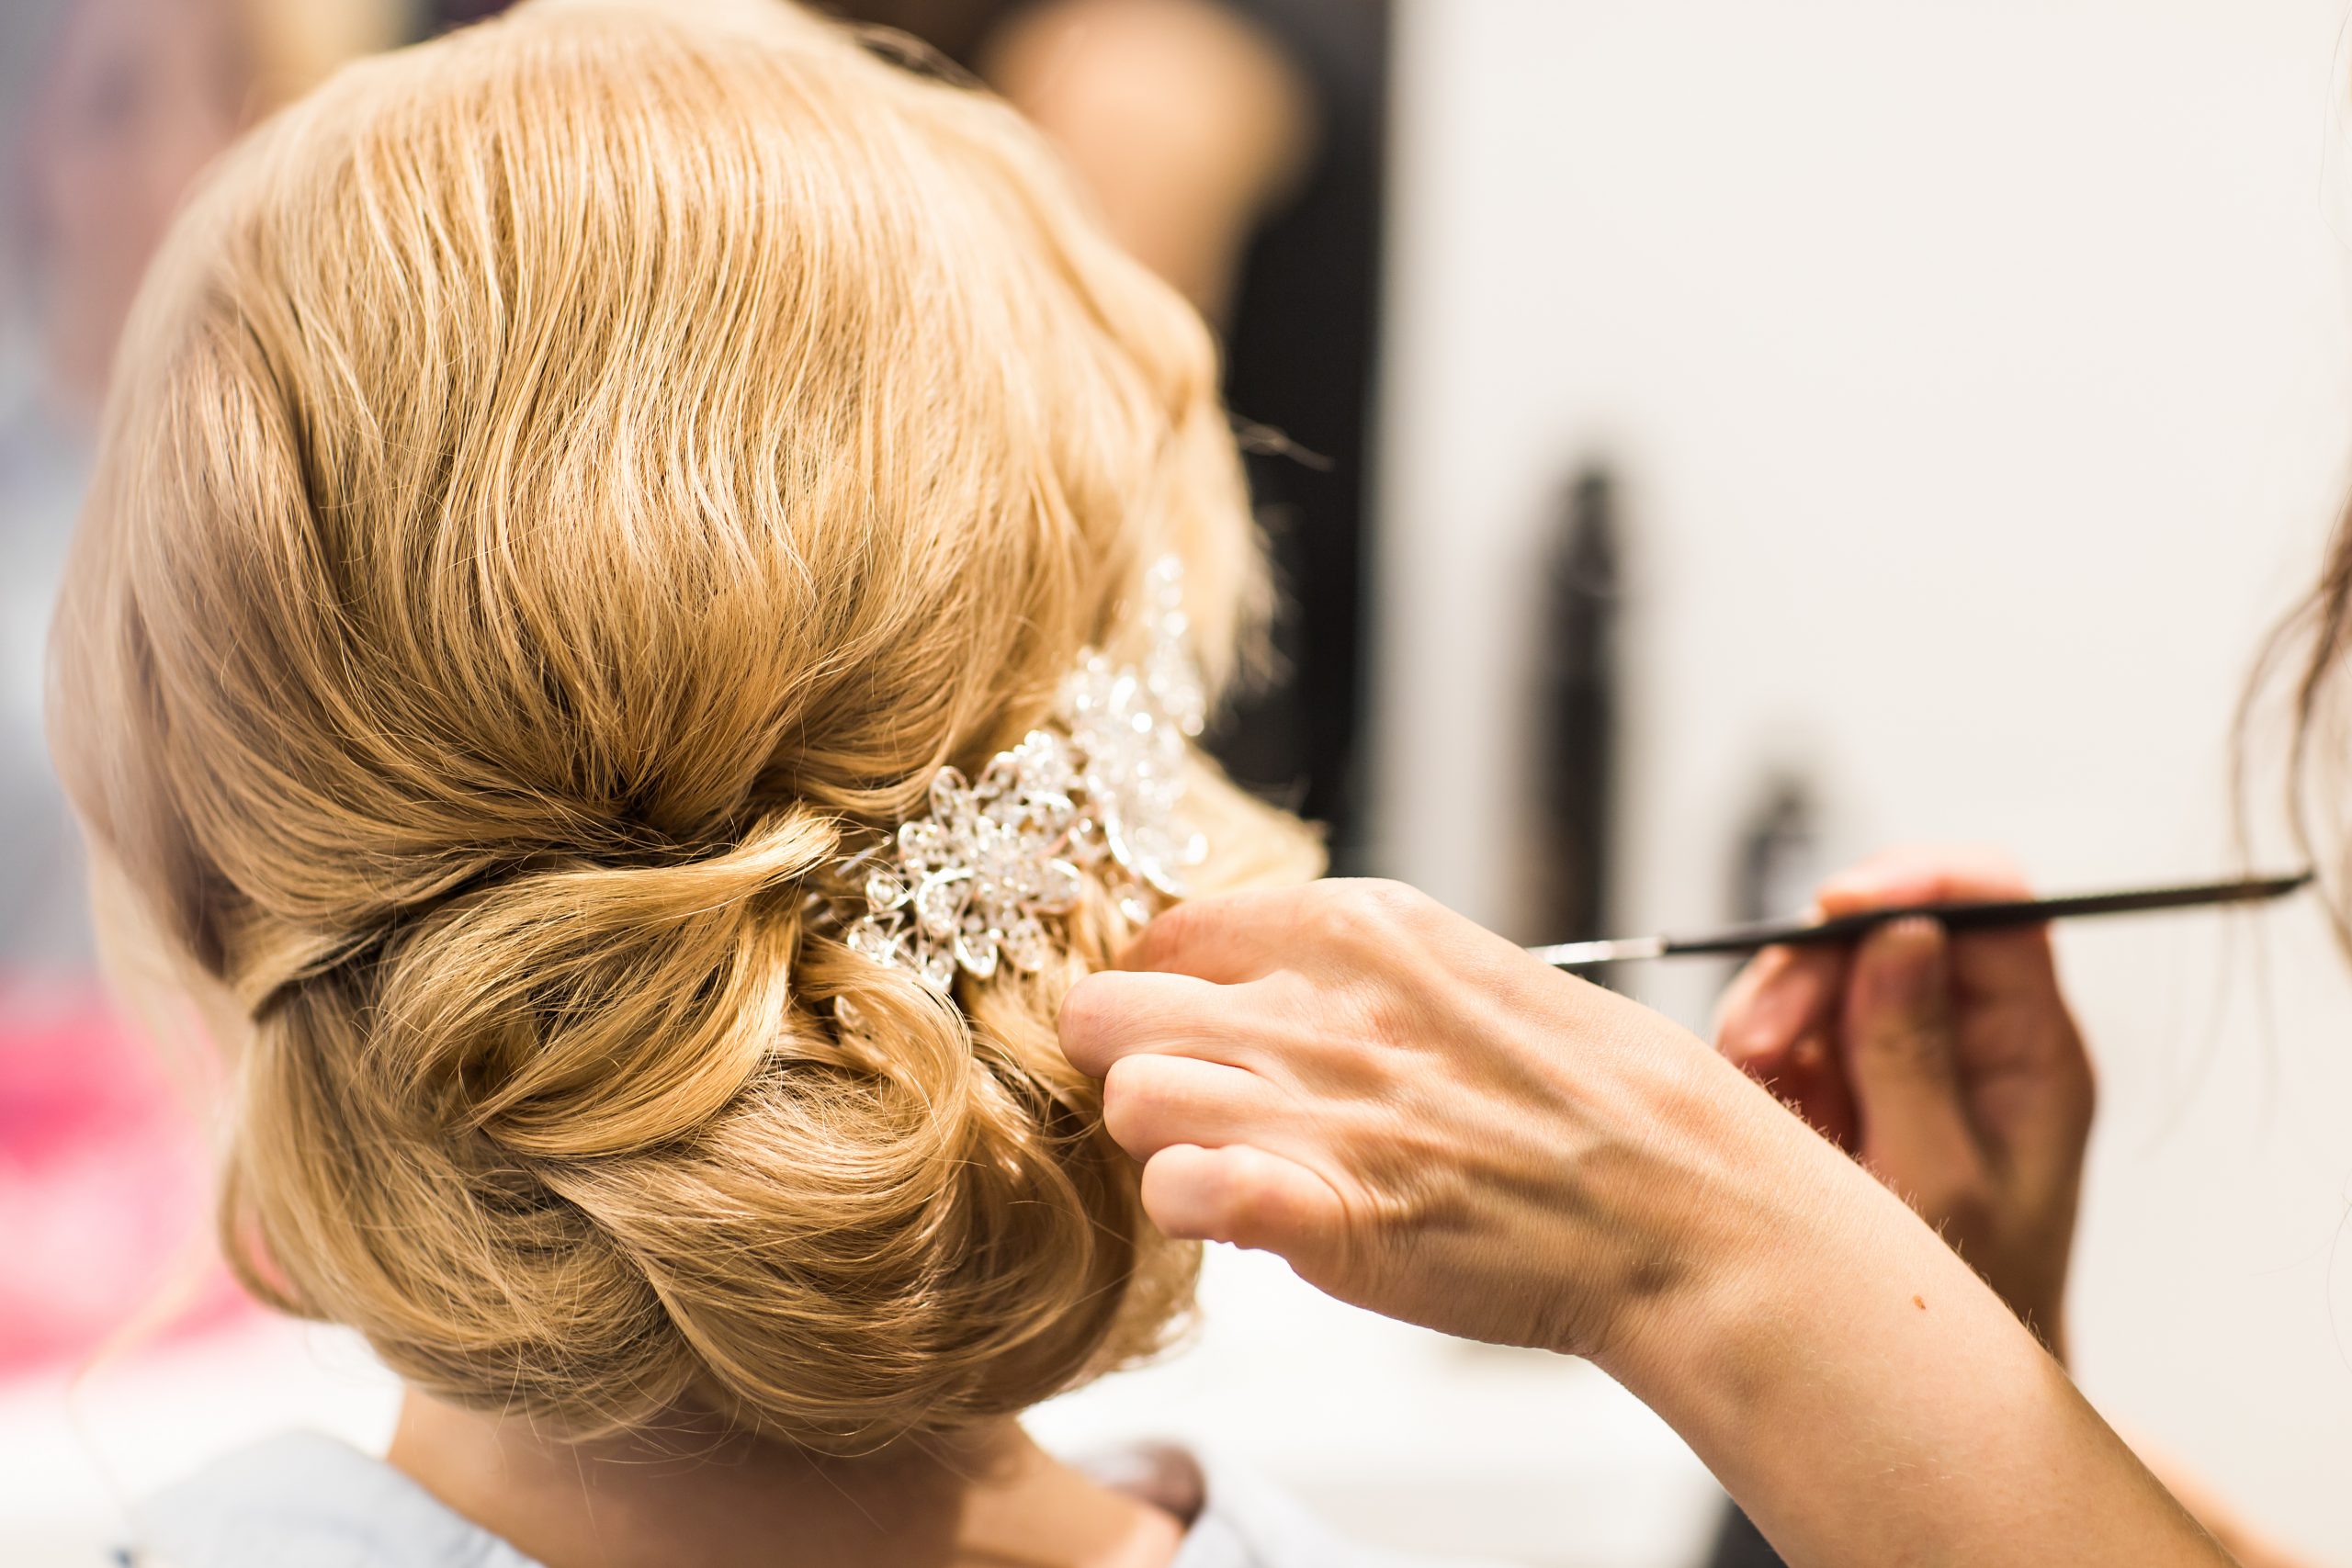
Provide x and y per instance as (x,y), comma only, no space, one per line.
(1955,916)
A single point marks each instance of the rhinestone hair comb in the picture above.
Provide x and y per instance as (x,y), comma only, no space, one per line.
(975,883)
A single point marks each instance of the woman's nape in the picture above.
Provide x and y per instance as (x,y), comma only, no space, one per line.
(692,1490)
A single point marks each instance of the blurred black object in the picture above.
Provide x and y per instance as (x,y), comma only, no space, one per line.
(1299,349)
(1300,355)
(1570,879)
(1739,1544)
(440,14)
(1779,856)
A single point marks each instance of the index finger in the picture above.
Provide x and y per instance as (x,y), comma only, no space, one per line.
(1983,964)
(1110,1014)
(1227,938)
(1924,875)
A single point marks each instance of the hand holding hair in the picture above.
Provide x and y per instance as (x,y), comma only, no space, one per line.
(1402,1105)
(1426,1122)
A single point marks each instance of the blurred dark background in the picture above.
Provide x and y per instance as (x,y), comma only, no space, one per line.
(1235,146)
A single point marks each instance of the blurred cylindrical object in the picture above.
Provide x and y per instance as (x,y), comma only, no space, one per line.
(1778,857)
(1569,883)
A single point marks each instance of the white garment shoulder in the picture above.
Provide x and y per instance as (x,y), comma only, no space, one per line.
(303,1500)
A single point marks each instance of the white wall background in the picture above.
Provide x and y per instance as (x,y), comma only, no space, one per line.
(1979,372)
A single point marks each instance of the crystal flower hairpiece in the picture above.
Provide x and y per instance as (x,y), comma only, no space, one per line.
(973,883)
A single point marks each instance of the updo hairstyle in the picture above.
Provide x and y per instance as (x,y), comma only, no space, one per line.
(566,485)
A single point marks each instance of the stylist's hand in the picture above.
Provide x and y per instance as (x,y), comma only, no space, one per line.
(1427,1123)
(1948,1066)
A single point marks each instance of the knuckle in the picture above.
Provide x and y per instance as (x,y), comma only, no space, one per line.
(1410,918)
(1362,913)
(1332,920)
(1395,902)
(1329,1036)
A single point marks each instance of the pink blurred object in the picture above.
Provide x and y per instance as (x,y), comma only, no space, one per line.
(104,1184)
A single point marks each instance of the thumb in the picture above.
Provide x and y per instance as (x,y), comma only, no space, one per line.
(1902,1058)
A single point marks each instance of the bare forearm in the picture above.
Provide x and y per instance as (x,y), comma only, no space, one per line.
(1868,1401)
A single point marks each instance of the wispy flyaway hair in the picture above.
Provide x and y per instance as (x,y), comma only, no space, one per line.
(564,482)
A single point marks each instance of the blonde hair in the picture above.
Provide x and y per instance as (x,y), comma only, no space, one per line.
(564,482)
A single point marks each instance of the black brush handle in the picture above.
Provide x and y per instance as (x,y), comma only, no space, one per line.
(1985,915)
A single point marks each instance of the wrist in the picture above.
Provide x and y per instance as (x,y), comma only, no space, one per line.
(1867,1398)
(2029,1273)
(1753,1268)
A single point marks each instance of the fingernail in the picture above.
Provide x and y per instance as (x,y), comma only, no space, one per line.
(1919,933)
(1908,962)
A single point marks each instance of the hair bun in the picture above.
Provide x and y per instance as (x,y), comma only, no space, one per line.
(614,1156)
(591,1010)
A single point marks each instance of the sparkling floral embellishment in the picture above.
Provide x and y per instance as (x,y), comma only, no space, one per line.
(973,884)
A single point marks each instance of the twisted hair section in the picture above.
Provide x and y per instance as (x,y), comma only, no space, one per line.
(566,482)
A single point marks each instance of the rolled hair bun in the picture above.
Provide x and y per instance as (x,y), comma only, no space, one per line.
(565,482)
